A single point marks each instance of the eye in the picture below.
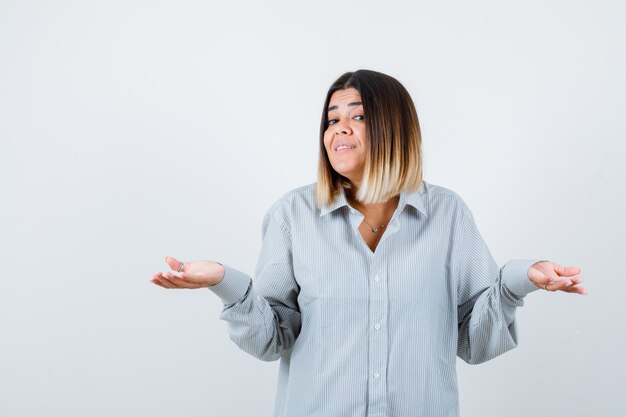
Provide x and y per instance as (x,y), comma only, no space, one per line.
(361,116)
(330,122)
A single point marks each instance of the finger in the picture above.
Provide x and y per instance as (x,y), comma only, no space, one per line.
(161,283)
(180,281)
(566,285)
(165,280)
(174,263)
(551,285)
(566,271)
(185,276)
(156,281)
(575,289)
(573,280)
(560,285)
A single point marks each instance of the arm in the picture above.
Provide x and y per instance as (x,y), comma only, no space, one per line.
(487,296)
(263,315)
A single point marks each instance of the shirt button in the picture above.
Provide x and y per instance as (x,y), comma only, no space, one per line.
(376,375)
(377,326)
(376,278)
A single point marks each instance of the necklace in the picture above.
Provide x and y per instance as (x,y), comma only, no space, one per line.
(374,229)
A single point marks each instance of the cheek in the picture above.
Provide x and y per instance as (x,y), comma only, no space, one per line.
(362,133)
(327,138)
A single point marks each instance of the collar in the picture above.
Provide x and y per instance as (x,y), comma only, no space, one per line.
(413,199)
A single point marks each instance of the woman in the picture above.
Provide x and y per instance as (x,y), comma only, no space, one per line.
(371,281)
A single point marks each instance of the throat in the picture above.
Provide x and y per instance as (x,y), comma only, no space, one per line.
(376,214)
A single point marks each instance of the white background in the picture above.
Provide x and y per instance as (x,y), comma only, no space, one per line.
(132,130)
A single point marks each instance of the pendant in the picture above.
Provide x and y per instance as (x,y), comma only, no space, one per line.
(375,229)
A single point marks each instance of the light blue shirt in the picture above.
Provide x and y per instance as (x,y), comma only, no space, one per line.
(361,333)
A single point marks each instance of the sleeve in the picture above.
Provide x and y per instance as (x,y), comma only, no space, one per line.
(487,296)
(263,315)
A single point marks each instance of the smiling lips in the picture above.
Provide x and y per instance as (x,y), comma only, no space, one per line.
(344,148)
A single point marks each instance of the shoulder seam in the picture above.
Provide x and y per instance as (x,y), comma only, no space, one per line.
(282,201)
(282,224)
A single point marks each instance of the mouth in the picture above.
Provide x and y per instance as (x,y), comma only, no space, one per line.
(344,148)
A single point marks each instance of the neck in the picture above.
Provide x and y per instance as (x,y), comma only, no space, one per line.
(375,211)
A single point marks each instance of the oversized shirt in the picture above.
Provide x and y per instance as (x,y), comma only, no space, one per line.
(373,334)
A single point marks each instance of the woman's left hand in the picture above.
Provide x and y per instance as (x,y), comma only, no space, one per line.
(553,277)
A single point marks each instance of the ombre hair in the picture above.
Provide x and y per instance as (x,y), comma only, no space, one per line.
(394,156)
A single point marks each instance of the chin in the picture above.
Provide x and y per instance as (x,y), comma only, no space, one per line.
(349,175)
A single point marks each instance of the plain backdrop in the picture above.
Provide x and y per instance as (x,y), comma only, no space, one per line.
(131,130)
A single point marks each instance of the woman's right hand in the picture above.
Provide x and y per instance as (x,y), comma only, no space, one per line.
(195,274)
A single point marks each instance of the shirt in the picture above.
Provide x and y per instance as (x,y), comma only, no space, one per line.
(372,334)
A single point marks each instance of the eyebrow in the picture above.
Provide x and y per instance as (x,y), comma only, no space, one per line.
(354,103)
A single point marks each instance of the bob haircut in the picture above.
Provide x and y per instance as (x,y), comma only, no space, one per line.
(394,157)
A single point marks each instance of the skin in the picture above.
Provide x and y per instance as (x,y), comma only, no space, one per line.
(347,125)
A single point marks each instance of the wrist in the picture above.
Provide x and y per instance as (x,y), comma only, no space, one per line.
(220,274)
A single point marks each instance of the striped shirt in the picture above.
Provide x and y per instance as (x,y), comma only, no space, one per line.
(361,333)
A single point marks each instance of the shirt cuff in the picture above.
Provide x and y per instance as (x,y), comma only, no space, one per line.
(515,276)
(233,286)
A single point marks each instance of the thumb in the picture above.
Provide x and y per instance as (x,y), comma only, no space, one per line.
(173,263)
(566,271)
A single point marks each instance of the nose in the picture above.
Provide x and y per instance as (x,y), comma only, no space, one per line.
(342,128)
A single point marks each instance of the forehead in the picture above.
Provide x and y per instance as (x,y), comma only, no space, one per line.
(342,97)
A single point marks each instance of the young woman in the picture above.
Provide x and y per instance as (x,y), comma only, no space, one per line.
(371,281)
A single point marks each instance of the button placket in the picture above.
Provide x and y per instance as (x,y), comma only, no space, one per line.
(378,349)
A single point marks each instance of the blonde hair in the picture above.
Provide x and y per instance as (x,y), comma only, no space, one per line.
(394,158)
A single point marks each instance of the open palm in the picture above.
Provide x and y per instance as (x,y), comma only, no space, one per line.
(194,274)
(553,277)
